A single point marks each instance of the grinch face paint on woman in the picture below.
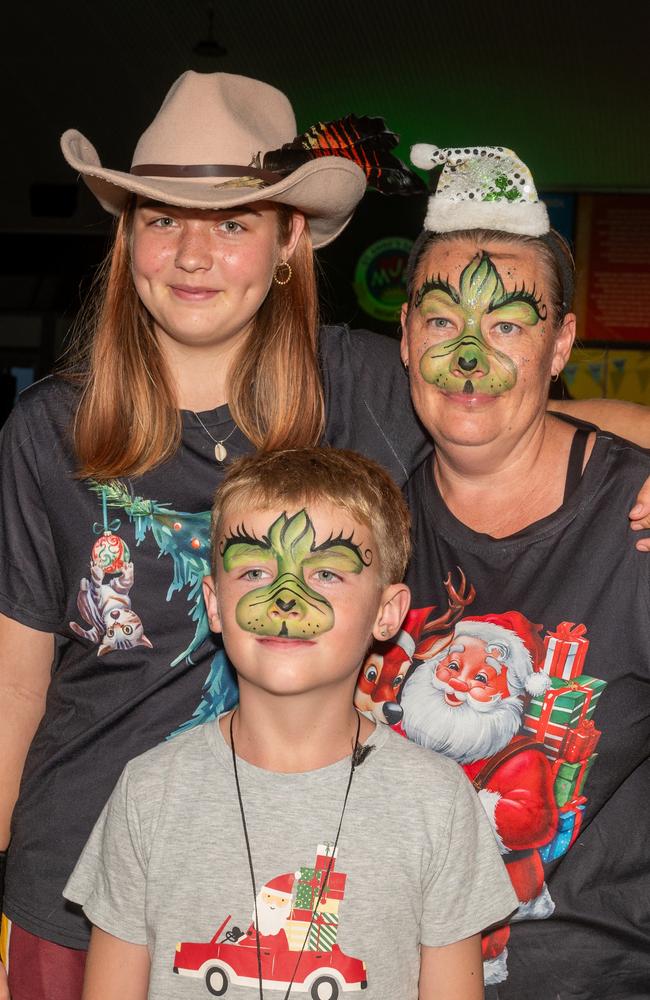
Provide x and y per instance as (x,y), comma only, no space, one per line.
(291,567)
(478,314)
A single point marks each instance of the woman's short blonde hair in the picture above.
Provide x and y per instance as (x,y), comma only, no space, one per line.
(302,476)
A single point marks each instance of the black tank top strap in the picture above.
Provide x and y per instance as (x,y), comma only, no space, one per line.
(576,461)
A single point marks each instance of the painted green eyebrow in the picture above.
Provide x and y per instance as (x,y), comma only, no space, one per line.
(436,284)
(521,295)
(240,536)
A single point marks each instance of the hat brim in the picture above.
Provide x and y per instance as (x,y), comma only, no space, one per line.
(326,189)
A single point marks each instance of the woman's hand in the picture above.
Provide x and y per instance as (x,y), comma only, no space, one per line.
(640,515)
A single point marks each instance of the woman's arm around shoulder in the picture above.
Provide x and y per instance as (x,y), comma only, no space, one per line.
(452,972)
(115,969)
(626,420)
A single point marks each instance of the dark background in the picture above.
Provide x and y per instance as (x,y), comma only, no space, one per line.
(564,86)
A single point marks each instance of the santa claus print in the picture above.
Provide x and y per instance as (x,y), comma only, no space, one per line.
(272,910)
(290,943)
(484,695)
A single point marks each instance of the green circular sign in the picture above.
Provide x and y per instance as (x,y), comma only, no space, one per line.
(380,278)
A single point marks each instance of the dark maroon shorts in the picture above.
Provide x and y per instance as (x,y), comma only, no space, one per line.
(40,969)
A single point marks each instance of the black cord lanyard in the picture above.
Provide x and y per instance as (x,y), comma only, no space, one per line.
(358,756)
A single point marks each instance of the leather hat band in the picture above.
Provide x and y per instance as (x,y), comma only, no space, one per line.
(203,170)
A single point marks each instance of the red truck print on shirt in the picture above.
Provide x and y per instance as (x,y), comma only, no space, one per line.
(295,923)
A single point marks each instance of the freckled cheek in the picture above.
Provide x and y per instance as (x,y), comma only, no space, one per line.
(251,265)
(147,262)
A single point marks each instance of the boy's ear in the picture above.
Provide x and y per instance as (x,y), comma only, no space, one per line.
(211,604)
(394,603)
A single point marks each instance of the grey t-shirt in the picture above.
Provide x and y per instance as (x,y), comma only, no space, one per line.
(166,865)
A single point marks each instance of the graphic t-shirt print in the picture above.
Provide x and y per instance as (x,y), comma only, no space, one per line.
(104,601)
(513,705)
(293,929)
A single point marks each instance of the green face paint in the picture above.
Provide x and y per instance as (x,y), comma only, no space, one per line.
(467,363)
(288,607)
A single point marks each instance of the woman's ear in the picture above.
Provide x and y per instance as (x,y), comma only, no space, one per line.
(563,343)
(394,603)
(211,604)
(298,224)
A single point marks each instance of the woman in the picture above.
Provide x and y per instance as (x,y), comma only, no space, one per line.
(204,346)
(544,650)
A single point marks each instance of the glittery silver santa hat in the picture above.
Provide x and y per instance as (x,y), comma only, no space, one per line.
(481,187)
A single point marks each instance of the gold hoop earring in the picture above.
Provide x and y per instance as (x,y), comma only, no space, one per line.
(283,277)
(555,377)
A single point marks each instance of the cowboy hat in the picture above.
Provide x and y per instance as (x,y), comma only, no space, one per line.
(204,149)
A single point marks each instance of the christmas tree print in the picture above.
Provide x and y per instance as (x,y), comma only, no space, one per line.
(185,538)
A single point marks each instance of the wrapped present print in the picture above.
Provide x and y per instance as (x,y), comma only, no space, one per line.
(296,931)
(581,742)
(551,734)
(307,890)
(565,703)
(335,886)
(314,882)
(329,905)
(564,706)
(593,685)
(323,931)
(566,649)
(568,828)
(325,855)
(570,778)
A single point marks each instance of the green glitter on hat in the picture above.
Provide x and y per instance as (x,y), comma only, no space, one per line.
(481,187)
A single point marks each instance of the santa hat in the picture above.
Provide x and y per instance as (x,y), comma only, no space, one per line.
(523,644)
(481,187)
(281,885)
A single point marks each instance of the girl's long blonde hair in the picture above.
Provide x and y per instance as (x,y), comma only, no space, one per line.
(127,419)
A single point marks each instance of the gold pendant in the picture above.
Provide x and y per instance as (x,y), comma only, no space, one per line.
(219,451)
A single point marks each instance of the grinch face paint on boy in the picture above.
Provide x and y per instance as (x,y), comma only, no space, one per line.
(471,327)
(295,574)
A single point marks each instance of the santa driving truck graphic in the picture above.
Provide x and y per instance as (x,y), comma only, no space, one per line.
(298,919)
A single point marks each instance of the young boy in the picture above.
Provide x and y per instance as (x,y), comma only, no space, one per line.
(291,845)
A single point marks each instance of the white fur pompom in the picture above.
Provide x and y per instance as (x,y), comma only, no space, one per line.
(422,155)
(537,683)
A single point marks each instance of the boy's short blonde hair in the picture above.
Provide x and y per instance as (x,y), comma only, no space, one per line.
(315,475)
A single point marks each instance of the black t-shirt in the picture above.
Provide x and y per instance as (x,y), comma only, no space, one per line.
(135,661)
(574,828)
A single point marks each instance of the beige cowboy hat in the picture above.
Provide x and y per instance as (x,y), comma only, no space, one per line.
(205,147)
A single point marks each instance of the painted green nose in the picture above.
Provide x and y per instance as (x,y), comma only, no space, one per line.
(284,606)
(467,364)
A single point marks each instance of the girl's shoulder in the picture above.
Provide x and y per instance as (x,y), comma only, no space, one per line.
(53,396)
(359,347)
(367,400)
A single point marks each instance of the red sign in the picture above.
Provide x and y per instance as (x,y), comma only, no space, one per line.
(613,258)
